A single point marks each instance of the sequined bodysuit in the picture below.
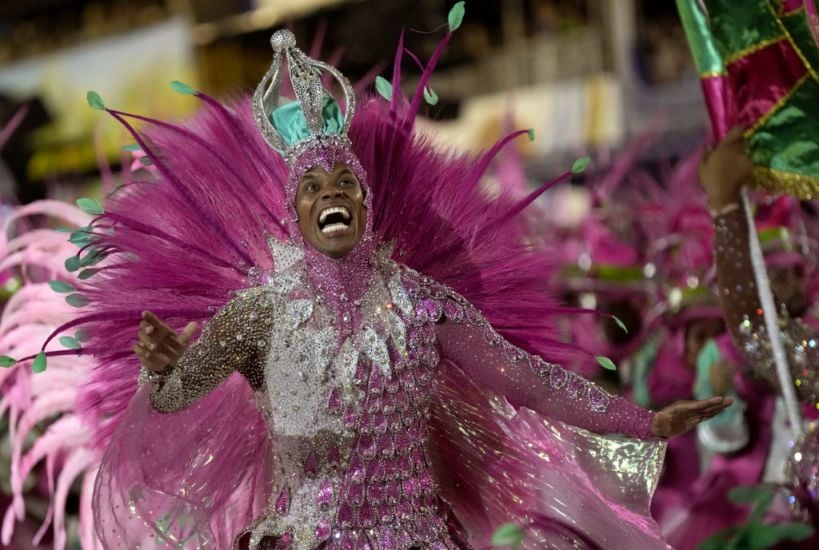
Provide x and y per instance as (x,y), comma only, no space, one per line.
(743,313)
(346,398)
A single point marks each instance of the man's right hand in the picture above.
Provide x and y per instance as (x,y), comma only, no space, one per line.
(159,345)
(725,169)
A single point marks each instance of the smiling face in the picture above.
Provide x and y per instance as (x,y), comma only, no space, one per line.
(331,211)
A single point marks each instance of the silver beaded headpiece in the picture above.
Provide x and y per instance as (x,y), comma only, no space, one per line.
(305,77)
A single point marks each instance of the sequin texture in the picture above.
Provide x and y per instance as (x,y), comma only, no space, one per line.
(347,411)
(739,298)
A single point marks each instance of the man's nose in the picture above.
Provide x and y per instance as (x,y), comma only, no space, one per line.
(331,192)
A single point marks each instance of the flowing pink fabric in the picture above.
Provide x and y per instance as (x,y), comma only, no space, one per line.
(520,467)
(176,476)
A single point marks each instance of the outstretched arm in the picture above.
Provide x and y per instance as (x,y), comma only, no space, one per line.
(181,375)
(531,382)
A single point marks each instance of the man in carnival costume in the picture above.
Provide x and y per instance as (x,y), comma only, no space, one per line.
(757,63)
(723,172)
(378,382)
(747,444)
(692,504)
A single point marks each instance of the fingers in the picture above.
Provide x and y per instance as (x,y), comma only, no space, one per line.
(155,323)
(745,163)
(685,415)
(140,353)
(719,403)
(159,345)
(698,411)
(151,318)
(707,413)
(735,138)
(151,324)
(704,158)
(156,362)
(169,346)
(162,335)
(694,420)
(708,408)
(734,141)
(187,333)
(716,400)
(710,413)
(149,341)
(715,403)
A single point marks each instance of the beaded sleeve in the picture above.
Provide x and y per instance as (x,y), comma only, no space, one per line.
(233,340)
(467,339)
(743,312)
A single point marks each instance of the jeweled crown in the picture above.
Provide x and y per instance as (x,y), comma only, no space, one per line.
(315,117)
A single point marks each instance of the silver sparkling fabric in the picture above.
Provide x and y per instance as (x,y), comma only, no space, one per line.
(739,297)
(347,410)
(802,474)
(346,414)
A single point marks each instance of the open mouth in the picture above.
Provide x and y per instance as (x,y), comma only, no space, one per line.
(334,219)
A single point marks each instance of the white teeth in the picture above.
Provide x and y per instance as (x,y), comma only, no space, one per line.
(334,228)
(334,210)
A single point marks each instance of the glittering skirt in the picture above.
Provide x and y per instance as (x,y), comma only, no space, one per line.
(174,478)
(560,486)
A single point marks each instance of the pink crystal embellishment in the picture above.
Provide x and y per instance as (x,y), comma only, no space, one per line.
(283,502)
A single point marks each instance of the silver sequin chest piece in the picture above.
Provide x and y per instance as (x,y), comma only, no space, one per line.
(347,419)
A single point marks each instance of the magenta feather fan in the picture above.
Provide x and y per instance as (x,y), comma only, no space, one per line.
(195,227)
(183,240)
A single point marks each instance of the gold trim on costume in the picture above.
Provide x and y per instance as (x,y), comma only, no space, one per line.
(793,43)
(713,74)
(776,106)
(778,181)
(755,48)
(782,13)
